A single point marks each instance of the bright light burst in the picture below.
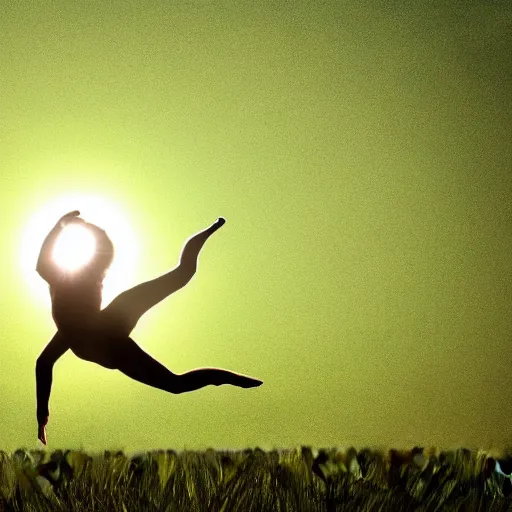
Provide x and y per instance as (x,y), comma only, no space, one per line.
(74,248)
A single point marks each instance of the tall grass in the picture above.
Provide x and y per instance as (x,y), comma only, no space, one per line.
(253,480)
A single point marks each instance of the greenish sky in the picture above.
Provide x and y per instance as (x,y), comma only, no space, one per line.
(362,156)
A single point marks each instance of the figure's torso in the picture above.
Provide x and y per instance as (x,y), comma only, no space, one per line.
(76,303)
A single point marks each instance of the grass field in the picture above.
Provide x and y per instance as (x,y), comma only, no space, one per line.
(256,480)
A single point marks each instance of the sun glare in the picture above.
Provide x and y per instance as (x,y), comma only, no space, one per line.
(74,247)
(76,244)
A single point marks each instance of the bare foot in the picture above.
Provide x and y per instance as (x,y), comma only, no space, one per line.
(249,382)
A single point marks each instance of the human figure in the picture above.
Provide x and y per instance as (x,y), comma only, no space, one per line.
(102,336)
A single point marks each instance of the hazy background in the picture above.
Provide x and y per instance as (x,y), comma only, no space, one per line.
(361,153)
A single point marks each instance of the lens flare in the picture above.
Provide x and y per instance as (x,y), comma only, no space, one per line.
(74,248)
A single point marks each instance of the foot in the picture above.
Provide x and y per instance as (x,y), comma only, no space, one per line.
(249,382)
(216,225)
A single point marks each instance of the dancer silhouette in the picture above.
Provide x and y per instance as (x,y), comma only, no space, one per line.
(102,336)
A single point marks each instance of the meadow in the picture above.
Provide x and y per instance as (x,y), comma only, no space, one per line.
(303,479)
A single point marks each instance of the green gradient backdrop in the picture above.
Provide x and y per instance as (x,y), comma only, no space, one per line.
(362,157)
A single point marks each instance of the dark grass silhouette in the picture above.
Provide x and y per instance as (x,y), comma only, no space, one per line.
(103,336)
(255,480)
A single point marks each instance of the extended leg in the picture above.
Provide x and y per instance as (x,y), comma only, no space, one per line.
(127,308)
(140,366)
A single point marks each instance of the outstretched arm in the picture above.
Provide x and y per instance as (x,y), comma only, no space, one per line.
(45,266)
(44,369)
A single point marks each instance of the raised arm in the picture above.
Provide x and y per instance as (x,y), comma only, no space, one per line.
(104,253)
(46,267)
(44,370)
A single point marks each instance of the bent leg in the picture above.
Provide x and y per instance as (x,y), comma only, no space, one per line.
(127,308)
(140,366)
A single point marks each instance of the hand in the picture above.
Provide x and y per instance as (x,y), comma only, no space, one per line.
(41,430)
(41,434)
(69,218)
